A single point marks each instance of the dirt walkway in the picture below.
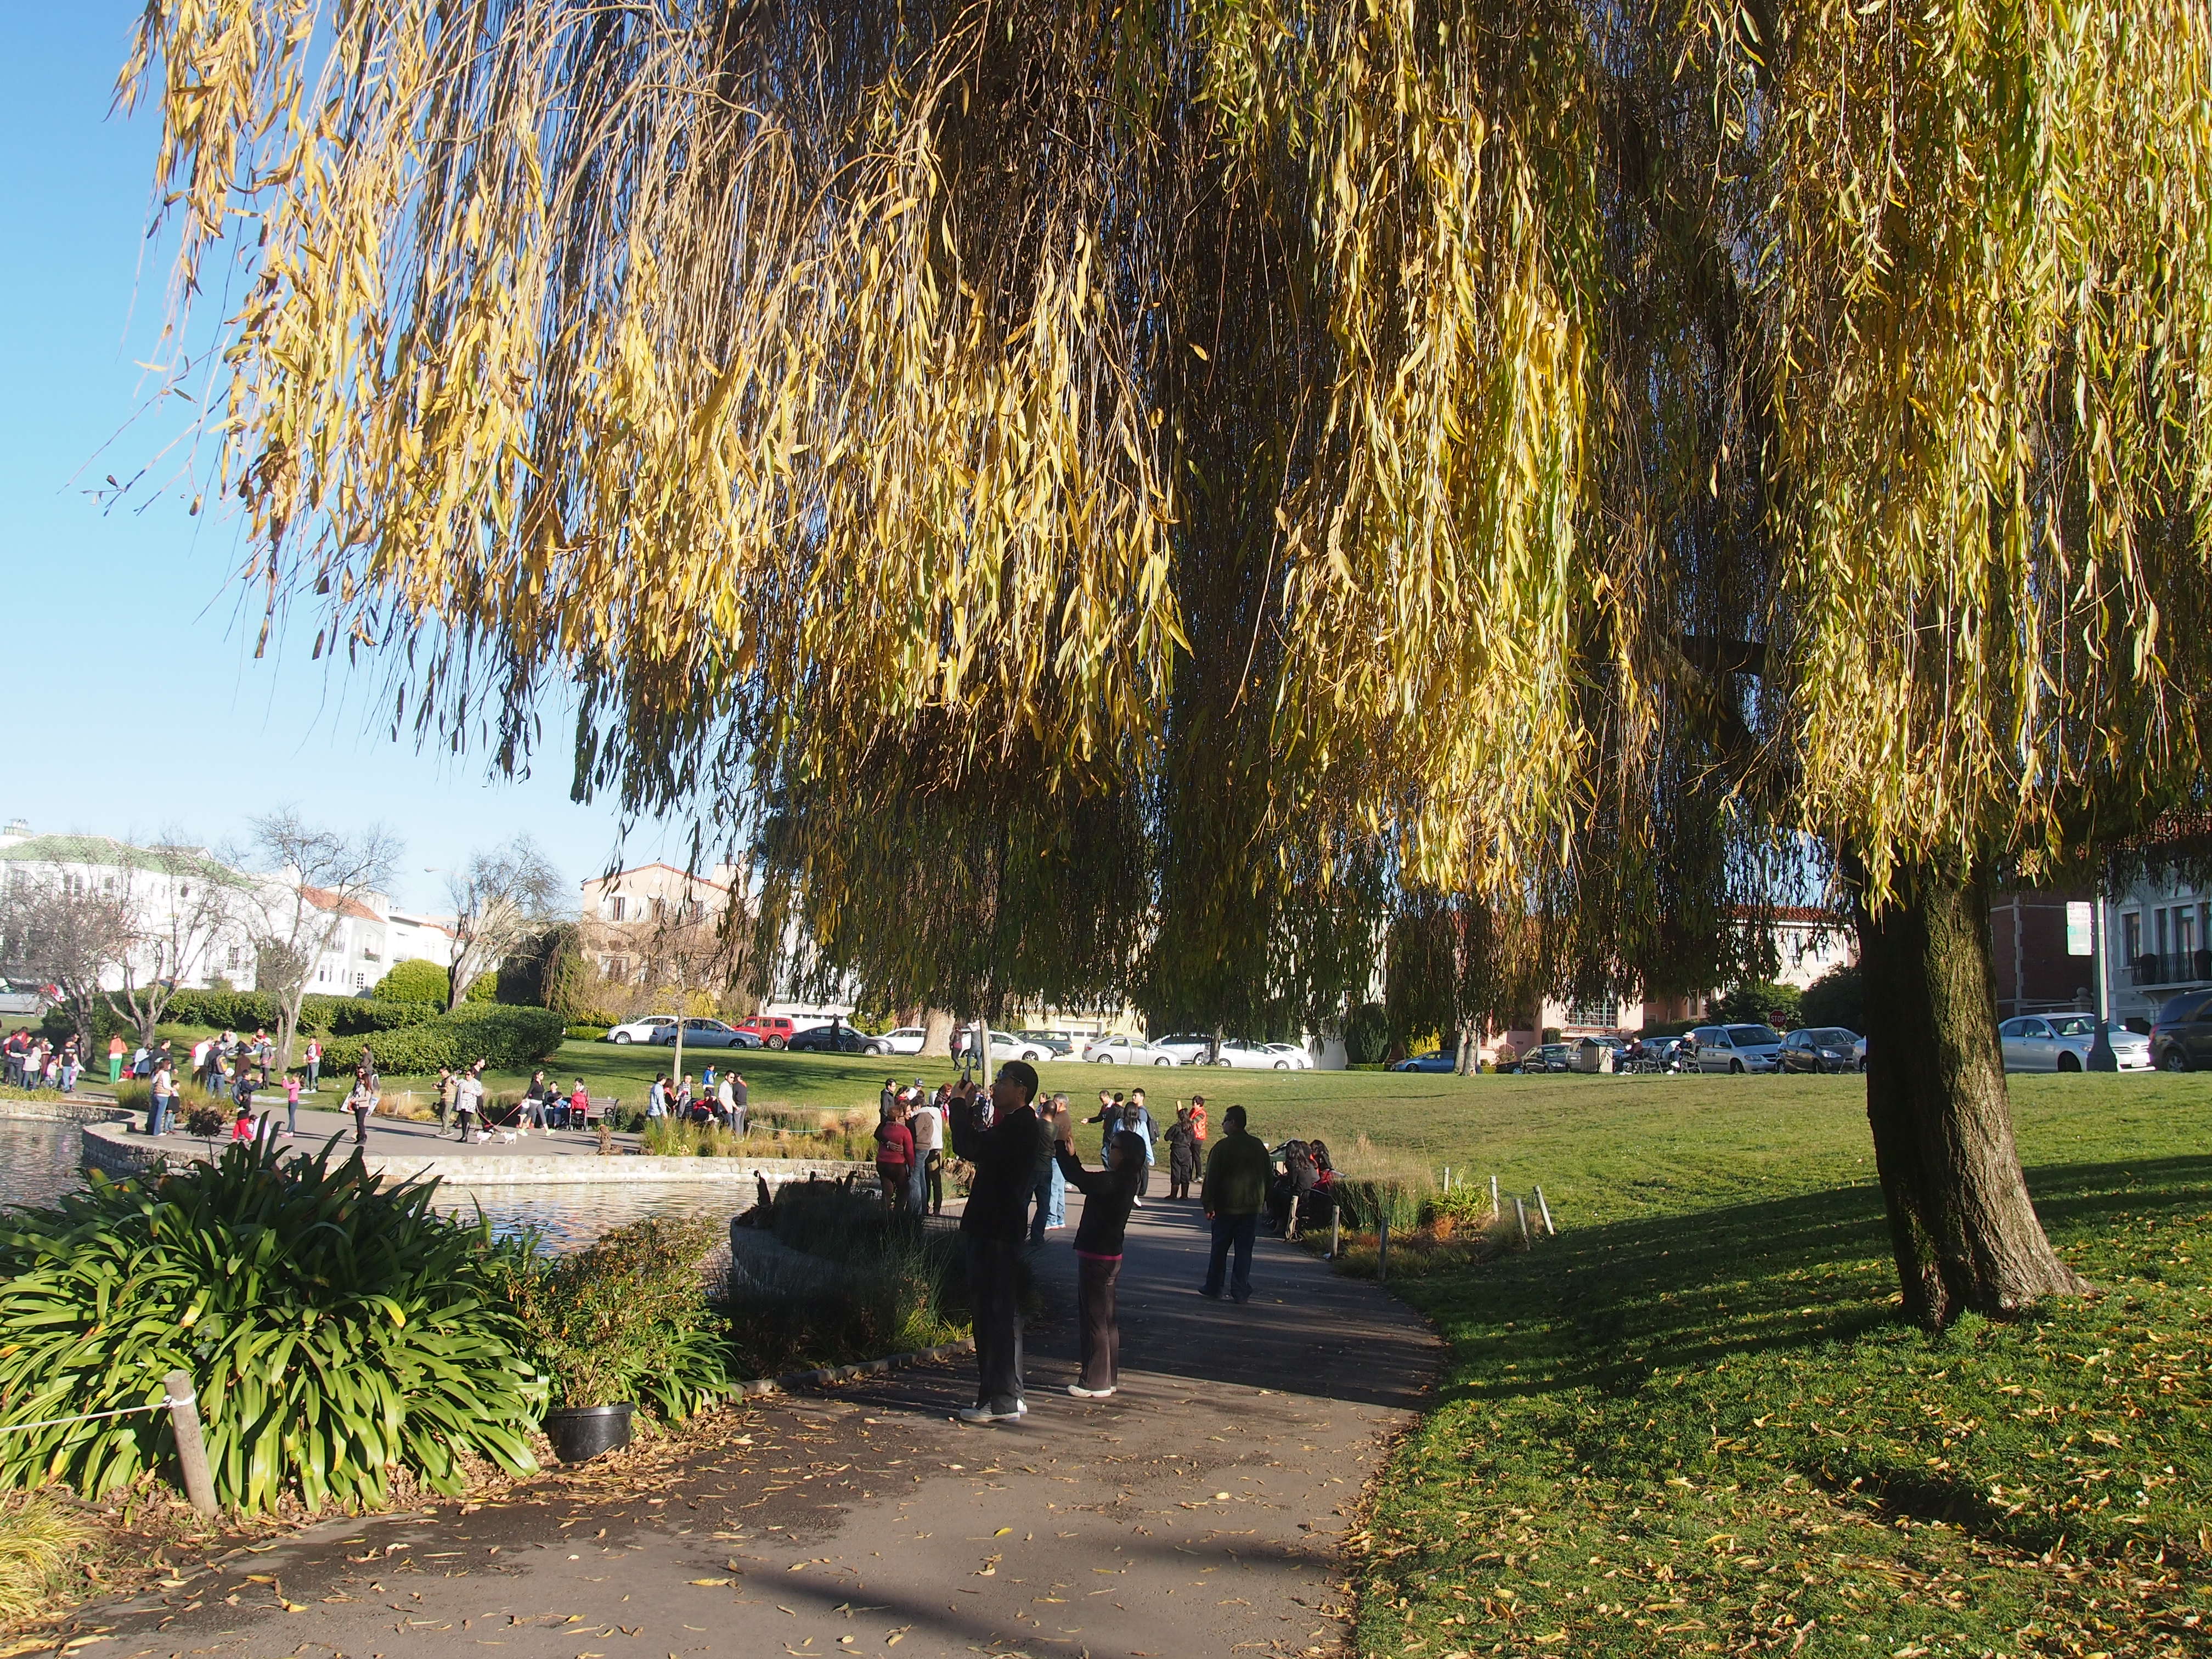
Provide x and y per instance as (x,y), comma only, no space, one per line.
(1196,1513)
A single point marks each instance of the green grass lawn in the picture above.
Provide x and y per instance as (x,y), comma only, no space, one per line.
(1693,1423)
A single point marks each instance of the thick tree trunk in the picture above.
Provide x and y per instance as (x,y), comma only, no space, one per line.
(936,1033)
(1966,1235)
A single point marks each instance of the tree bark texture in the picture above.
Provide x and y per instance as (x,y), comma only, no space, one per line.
(1965,1234)
(937,1032)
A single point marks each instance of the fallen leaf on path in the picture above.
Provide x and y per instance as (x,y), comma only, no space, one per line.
(710,1580)
(291,1606)
(1002,1532)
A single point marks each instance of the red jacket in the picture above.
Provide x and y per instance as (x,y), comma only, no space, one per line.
(895,1144)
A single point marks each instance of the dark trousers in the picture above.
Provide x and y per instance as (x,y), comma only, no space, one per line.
(992,1264)
(1236,1231)
(932,1182)
(1094,1283)
(360,1126)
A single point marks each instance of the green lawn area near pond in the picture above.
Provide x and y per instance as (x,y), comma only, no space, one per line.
(1694,1423)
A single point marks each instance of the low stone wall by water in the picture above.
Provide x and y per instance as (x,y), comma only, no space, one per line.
(67,1109)
(112,1149)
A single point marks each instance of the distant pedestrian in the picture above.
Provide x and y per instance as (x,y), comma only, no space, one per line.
(1183,1154)
(157,1111)
(314,1066)
(926,1121)
(1237,1172)
(361,1100)
(1197,1124)
(580,1106)
(446,1087)
(1134,1122)
(1004,1158)
(115,1059)
(1107,1197)
(292,1107)
(468,1104)
(741,1096)
(1048,1196)
(725,1104)
(884,1096)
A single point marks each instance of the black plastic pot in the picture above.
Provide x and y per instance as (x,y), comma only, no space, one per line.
(580,1433)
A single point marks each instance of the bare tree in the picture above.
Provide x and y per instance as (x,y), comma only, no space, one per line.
(500,897)
(180,902)
(66,934)
(319,874)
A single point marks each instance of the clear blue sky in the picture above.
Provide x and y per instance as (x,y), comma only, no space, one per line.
(133,702)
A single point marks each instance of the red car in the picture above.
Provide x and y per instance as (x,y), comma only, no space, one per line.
(773,1030)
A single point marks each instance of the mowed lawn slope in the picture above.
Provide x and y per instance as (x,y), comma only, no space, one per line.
(1696,1425)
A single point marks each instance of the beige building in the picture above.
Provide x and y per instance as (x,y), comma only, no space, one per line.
(646,915)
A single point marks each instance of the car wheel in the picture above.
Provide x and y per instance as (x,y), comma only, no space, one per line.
(1282,1065)
(777,1042)
(1735,1068)
(876,1048)
(1164,1060)
(622,1038)
(1102,1060)
(2173,1059)
(2068,1063)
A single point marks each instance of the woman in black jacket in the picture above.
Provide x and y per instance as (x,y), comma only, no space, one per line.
(1108,1196)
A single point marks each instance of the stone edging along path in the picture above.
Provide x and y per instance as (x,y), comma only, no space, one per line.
(112,1148)
(66,1109)
(827,1376)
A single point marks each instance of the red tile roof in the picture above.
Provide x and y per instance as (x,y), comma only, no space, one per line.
(323,899)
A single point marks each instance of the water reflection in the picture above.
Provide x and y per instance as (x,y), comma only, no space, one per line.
(38,1162)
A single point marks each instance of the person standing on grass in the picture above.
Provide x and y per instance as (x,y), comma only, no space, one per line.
(1004,1157)
(1108,1196)
(1237,1171)
(361,1100)
(1049,1195)
(725,1103)
(115,1059)
(314,1067)
(895,1158)
(1198,1126)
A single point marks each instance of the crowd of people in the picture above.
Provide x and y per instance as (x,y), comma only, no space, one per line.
(35,1061)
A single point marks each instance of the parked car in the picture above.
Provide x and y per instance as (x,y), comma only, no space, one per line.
(1291,1056)
(1060,1043)
(1545,1057)
(1004,1045)
(1188,1048)
(647,1029)
(708,1034)
(906,1040)
(1247,1056)
(2061,1042)
(1435,1059)
(1820,1049)
(835,1038)
(1121,1050)
(773,1031)
(1737,1048)
(2181,1034)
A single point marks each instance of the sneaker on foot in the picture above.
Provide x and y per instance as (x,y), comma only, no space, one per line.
(985,1415)
(1211,1295)
(1082,1393)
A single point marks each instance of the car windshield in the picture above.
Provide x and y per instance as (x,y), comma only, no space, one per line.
(1831,1036)
(1752,1036)
(2074,1025)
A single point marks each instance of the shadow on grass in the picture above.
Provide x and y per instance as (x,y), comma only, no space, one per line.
(1606,1306)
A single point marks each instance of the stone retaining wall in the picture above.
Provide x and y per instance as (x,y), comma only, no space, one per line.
(67,1109)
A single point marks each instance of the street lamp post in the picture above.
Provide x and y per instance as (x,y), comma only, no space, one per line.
(2101,1057)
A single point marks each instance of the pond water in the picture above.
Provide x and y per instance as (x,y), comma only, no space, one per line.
(38,1162)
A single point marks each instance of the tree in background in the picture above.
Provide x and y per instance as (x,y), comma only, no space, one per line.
(500,897)
(316,874)
(180,904)
(63,933)
(1205,482)
(1759,1002)
(1836,998)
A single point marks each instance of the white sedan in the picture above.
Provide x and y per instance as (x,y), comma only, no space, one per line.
(1291,1057)
(1188,1048)
(1118,1051)
(907,1040)
(654,1028)
(1249,1056)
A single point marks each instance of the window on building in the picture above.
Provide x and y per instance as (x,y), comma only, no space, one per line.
(359,978)
(1594,1011)
(616,907)
(2185,931)
(698,910)
(233,959)
(2130,936)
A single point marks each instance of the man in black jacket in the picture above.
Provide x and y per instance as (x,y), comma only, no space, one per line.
(1004,1158)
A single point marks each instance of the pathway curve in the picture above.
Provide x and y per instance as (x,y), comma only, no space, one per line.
(1199,1512)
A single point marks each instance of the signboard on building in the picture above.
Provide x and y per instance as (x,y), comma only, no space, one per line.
(2078,928)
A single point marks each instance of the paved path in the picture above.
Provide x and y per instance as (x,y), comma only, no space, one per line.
(395,1138)
(1196,1513)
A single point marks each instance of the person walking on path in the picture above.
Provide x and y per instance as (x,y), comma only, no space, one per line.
(895,1158)
(1197,1124)
(446,1083)
(292,1106)
(926,1121)
(1048,1196)
(468,1103)
(1183,1154)
(1004,1157)
(1237,1171)
(361,1102)
(1108,1194)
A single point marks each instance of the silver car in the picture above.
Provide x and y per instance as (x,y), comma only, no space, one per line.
(2061,1042)
(1737,1048)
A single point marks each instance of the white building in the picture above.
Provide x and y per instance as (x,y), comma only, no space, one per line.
(2160,934)
(192,915)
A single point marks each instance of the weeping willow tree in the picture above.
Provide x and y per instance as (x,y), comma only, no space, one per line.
(1159,497)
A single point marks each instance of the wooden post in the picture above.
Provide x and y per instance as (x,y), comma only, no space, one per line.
(1448,1177)
(1549,1231)
(1335,1228)
(1381,1246)
(191,1448)
(1495,1212)
(1520,1212)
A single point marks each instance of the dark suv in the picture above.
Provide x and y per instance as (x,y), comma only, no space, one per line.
(2181,1036)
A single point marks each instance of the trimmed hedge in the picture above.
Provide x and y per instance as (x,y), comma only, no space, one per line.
(322,1015)
(510,1038)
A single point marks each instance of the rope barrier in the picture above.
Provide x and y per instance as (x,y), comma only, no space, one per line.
(166,1403)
